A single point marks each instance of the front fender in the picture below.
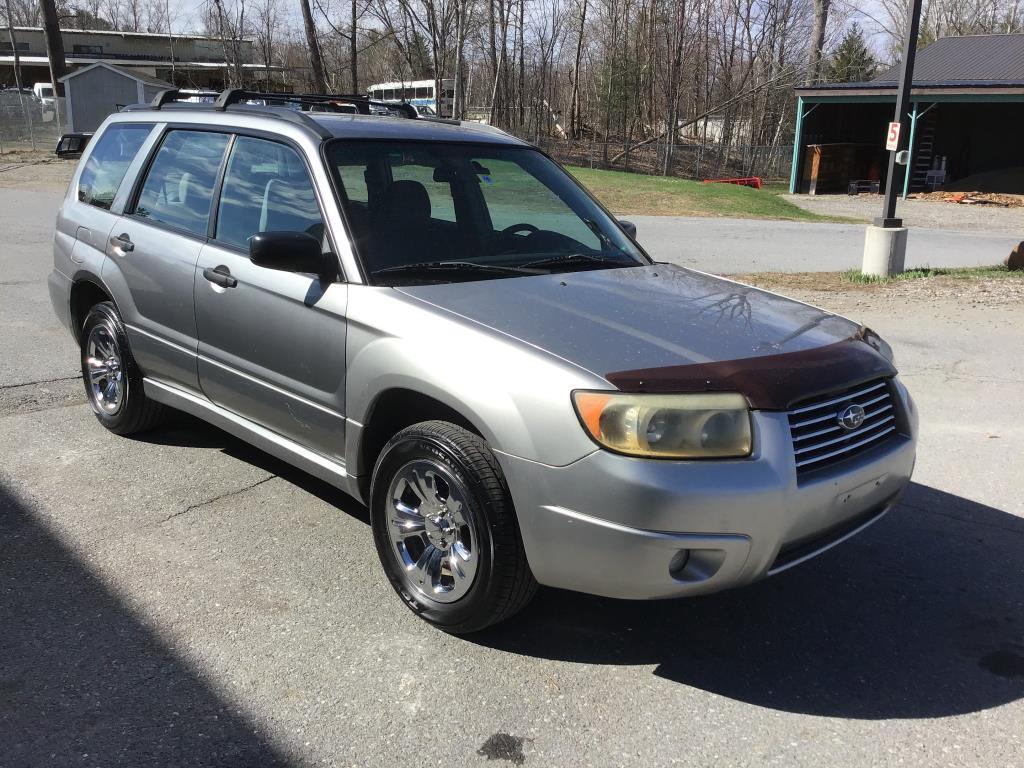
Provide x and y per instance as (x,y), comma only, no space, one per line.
(518,396)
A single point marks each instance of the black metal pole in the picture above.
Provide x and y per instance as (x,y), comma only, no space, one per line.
(892,187)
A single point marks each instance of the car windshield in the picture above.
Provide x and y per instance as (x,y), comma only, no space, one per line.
(439,212)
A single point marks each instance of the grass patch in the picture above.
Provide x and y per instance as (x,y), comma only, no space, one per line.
(956,273)
(636,193)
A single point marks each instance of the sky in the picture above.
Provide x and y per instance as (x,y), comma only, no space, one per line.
(869,15)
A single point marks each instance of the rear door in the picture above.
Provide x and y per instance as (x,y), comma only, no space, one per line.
(85,221)
(271,342)
(154,247)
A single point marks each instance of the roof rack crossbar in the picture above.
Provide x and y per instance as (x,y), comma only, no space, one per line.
(164,97)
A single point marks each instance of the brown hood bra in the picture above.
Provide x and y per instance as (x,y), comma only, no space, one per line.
(770,382)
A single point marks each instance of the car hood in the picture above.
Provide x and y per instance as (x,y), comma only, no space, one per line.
(666,328)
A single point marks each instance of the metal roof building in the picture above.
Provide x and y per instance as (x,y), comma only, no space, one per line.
(101,89)
(966,119)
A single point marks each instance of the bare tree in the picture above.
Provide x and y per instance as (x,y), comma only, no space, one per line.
(316,59)
(817,42)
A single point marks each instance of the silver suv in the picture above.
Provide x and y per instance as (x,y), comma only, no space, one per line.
(440,321)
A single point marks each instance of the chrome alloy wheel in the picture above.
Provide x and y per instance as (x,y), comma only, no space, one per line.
(430,524)
(107,382)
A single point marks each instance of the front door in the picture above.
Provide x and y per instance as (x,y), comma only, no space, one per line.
(271,342)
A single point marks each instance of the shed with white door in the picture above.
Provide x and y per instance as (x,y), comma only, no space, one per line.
(99,90)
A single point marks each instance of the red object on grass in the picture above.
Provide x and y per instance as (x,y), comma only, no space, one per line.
(746,181)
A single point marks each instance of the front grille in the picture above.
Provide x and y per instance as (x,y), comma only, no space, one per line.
(820,441)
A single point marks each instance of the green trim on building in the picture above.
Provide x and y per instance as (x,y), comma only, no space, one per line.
(882,98)
(798,137)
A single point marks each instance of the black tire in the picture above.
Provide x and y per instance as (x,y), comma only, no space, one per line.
(503,583)
(135,412)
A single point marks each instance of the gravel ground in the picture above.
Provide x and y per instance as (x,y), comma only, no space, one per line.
(179,598)
(824,288)
(928,214)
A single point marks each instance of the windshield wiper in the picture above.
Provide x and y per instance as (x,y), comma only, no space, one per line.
(455,266)
(576,258)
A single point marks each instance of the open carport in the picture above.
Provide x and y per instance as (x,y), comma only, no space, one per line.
(965,122)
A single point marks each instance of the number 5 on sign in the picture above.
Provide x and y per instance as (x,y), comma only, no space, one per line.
(892,138)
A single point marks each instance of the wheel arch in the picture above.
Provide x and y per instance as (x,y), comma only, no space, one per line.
(87,290)
(391,411)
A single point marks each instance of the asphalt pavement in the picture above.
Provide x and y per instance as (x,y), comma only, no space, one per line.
(179,598)
(735,246)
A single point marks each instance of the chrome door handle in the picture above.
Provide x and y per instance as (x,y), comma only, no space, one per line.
(123,242)
(221,276)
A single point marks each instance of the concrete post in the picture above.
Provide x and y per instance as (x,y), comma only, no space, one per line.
(885,250)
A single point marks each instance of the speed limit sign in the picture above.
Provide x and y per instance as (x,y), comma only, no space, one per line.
(892,138)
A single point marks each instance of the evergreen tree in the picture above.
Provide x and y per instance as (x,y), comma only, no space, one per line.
(852,62)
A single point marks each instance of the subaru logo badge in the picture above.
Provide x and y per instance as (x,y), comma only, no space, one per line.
(851,417)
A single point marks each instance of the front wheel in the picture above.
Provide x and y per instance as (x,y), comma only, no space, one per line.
(445,528)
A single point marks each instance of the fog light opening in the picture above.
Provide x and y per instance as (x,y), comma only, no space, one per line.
(678,564)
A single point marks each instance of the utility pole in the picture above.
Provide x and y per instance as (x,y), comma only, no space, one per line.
(353,51)
(54,49)
(885,244)
(17,77)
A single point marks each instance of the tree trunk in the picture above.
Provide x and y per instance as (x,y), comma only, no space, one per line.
(574,101)
(54,45)
(817,40)
(316,59)
(460,34)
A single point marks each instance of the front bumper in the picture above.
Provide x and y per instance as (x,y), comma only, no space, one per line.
(633,528)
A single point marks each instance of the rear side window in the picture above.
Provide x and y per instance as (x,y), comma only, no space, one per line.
(266,189)
(179,186)
(108,162)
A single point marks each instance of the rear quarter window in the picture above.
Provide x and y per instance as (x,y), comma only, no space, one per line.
(108,162)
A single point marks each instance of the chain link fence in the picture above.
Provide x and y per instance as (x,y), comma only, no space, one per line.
(29,125)
(686,160)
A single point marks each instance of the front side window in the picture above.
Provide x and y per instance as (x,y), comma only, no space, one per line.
(179,186)
(266,189)
(108,162)
(438,212)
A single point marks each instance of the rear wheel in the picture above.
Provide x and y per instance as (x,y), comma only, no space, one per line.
(113,381)
(445,528)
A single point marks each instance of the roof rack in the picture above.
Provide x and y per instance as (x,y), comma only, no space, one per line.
(274,105)
(164,97)
(361,103)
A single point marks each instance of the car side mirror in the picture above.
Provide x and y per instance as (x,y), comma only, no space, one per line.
(287,251)
(628,227)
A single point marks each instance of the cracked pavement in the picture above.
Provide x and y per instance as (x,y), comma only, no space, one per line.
(180,598)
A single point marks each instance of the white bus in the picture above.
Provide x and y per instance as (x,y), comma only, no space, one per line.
(419,93)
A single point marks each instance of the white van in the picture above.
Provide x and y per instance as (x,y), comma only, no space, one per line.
(43,92)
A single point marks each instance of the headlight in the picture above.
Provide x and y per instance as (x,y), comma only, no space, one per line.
(698,426)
